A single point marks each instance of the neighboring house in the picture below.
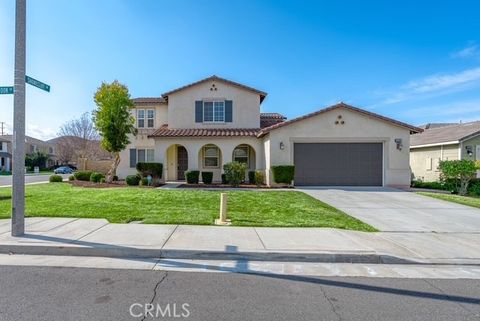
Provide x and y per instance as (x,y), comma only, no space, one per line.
(5,156)
(452,142)
(213,121)
(33,145)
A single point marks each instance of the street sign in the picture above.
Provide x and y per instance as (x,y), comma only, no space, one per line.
(37,83)
(6,90)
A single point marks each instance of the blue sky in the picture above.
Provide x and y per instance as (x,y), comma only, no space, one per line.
(416,62)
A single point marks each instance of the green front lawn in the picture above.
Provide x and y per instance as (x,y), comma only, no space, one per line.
(122,205)
(464,200)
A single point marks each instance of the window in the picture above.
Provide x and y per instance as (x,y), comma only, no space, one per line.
(141,118)
(240,154)
(150,118)
(213,111)
(145,155)
(211,155)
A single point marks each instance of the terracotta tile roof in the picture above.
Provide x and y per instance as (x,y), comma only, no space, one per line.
(164,131)
(452,133)
(148,100)
(216,78)
(269,119)
(412,129)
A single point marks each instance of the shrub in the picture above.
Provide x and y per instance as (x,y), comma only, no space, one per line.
(283,174)
(153,169)
(429,185)
(207,177)
(82,175)
(144,181)
(71,178)
(192,177)
(55,179)
(474,188)
(224,179)
(251,177)
(115,178)
(235,172)
(132,180)
(259,178)
(102,180)
(96,177)
(462,171)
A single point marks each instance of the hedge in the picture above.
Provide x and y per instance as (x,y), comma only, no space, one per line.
(259,178)
(235,173)
(283,174)
(82,175)
(207,177)
(96,177)
(132,180)
(55,179)
(192,177)
(153,169)
(251,177)
(224,179)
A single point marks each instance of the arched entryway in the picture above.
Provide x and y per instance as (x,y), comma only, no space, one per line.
(210,160)
(177,162)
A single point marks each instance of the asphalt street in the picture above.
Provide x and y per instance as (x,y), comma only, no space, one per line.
(47,293)
(7,180)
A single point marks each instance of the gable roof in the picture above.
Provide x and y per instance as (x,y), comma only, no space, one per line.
(412,129)
(216,78)
(269,119)
(148,100)
(447,134)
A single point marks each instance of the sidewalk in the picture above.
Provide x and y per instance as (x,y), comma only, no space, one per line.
(97,237)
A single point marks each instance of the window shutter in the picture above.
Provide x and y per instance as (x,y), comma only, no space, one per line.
(199,111)
(133,157)
(228,111)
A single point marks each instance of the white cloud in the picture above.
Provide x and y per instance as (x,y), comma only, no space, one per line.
(435,85)
(472,50)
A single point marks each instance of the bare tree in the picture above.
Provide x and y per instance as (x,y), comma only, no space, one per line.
(83,129)
(65,149)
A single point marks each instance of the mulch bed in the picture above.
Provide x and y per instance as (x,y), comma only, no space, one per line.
(230,186)
(104,185)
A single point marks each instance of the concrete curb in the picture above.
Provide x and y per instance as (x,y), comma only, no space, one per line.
(128,252)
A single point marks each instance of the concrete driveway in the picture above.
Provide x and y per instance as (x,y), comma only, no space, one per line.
(394,210)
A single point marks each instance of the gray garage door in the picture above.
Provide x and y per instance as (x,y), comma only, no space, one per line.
(338,164)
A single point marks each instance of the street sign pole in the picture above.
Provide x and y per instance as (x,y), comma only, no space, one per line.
(18,184)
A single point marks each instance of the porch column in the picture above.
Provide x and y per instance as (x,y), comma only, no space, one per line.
(7,164)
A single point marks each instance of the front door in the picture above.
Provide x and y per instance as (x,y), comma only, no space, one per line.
(182,162)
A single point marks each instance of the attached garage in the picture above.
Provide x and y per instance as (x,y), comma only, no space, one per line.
(341,146)
(338,164)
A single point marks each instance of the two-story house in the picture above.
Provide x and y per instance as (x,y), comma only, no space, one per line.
(213,121)
(5,156)
(32,145)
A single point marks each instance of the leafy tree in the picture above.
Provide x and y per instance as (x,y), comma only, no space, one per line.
(36,159)
(461,172)
(113,120)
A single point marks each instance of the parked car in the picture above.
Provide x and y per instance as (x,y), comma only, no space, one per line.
(63,170)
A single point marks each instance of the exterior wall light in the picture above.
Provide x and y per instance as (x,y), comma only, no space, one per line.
(282,146)
(469,150)
(398,141)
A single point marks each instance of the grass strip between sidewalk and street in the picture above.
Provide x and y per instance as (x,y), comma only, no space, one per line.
(199,207)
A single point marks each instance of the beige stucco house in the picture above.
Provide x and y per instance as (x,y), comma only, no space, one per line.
(32,145)
(213,121)
(443,142)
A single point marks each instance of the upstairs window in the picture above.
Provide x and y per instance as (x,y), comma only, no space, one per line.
(150,118)
(213,111)
(145,118)
(141,118)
